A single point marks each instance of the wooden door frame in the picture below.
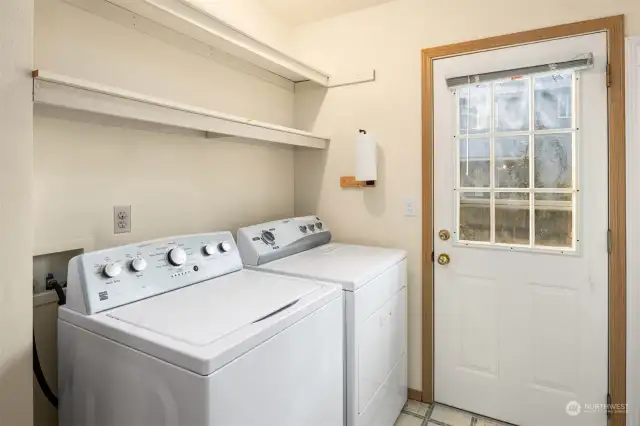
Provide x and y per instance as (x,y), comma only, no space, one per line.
(614,27)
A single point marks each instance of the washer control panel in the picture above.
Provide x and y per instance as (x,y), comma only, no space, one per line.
(104,279)
(259,244)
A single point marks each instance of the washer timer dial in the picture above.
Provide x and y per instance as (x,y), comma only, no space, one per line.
(177,256)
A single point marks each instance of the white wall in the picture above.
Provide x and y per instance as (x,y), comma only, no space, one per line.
(633,230)
(389,38)
(16,141)
(176,181)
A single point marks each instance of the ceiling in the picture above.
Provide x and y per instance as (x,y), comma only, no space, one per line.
(297,12)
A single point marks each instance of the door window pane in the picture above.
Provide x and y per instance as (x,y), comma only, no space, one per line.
(512,217)
(511,100)
(516,147)
(553,161)
(512,161)
(475,163)
(475,109)
(475,216)
(554,220)
(553,102)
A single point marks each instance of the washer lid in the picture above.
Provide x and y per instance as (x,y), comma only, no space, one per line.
(204,327)
(205,312)
(346,264)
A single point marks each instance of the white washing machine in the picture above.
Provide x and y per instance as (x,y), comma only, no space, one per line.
(374,281)
(175,332)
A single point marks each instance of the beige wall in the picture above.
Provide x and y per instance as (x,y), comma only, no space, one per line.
(16,141)
(389,38)
(176,181)
(253,18)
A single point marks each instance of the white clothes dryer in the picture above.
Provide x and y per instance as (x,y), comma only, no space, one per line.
(374,281)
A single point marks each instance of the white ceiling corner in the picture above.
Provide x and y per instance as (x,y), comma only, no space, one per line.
(298,12)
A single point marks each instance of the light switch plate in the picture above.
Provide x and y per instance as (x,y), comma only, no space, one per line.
(410,206)
(121,219)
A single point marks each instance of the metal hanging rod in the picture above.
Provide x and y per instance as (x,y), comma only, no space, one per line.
(574,64)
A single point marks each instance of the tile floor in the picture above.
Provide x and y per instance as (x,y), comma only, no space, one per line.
(417,413)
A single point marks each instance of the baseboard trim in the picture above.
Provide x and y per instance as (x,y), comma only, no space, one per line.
(416,395)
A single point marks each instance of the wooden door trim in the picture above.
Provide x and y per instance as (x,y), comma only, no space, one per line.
(614,27)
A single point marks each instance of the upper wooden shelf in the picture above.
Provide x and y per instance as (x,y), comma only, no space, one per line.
(67,92)
(188,20)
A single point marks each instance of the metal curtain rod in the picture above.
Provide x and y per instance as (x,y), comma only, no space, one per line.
(574,64)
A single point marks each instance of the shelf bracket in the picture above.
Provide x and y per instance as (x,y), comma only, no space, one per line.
(353,79)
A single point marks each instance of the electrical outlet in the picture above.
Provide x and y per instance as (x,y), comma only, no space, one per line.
(121,219)
(409,206)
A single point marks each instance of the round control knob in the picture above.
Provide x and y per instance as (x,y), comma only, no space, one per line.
(303,229)
(319,225)
(312,227)
(138,264)
(112,270)
(268,237)
(224,247)
(177,256)
(208,249)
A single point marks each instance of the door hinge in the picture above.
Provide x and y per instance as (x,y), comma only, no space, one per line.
(609,410)
(433,257)
(608,75)
(609,242)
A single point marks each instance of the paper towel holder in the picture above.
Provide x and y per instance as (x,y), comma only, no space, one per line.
(352,181)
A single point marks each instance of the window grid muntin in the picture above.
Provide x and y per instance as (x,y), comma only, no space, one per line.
(532,190)
(492,164)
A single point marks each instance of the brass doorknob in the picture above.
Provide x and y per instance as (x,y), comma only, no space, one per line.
(444,234)
(444,259)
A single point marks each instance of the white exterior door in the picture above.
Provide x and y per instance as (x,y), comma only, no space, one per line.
(521,184)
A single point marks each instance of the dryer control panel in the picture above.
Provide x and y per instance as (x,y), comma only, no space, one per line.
(266,242)
(104,279)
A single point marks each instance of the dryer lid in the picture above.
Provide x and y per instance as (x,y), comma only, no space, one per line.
(349,265)
(206,312)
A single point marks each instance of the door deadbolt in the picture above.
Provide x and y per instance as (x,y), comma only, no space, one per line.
(444,259)
(444,235)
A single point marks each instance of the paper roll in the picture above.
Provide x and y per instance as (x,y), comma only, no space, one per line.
(366,158)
